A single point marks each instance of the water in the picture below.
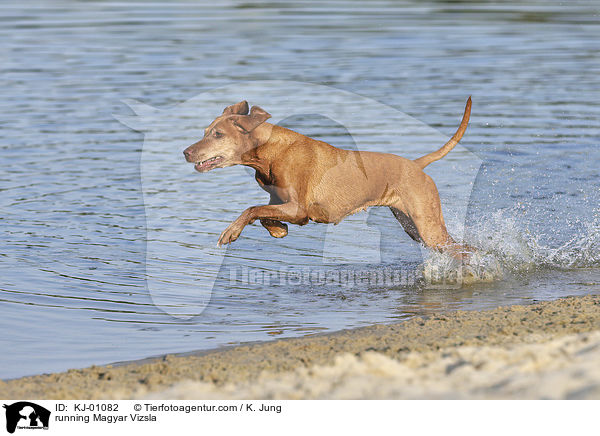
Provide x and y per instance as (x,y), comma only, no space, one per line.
(76,226)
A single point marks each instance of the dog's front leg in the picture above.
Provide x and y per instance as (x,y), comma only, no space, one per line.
(289,212)
(277,229)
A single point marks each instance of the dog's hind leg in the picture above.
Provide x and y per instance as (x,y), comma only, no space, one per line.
(426,225)
(419,211)
(407,224)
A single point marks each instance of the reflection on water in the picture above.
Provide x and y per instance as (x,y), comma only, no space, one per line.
(74,222)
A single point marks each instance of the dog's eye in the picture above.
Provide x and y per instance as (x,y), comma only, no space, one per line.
(218,135)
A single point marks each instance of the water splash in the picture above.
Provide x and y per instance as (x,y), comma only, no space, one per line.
(508,247)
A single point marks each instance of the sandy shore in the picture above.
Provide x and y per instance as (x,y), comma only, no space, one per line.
(545,350)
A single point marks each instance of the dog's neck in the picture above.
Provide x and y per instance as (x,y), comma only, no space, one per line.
(269,140)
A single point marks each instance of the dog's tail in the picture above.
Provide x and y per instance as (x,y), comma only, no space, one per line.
(437,155)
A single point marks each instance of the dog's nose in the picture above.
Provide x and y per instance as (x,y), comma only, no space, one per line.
(186,153)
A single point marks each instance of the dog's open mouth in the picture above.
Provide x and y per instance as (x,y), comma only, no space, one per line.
(208,164)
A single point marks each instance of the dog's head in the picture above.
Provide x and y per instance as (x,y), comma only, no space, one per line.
(227,138)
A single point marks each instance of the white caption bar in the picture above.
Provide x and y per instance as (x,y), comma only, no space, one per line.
(119,417)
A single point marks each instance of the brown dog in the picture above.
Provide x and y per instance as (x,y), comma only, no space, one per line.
(312,180)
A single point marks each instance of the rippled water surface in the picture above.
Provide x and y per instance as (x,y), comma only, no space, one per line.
(100,222)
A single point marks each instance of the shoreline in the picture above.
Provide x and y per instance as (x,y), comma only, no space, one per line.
(507,352)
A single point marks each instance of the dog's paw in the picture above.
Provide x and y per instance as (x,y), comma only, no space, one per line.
(278,232)
(229,235)
(276,229)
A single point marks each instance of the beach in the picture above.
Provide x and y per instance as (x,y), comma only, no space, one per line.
(543,350)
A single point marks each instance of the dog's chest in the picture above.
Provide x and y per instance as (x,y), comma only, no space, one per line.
(267,182)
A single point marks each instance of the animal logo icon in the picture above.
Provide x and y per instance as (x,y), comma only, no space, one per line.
(25,414)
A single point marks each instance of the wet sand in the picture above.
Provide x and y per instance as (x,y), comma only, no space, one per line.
(544,350)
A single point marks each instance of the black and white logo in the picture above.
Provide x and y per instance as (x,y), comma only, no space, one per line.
(26,415)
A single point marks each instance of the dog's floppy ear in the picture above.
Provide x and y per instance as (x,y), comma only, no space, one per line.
(250,122)
(240,108)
